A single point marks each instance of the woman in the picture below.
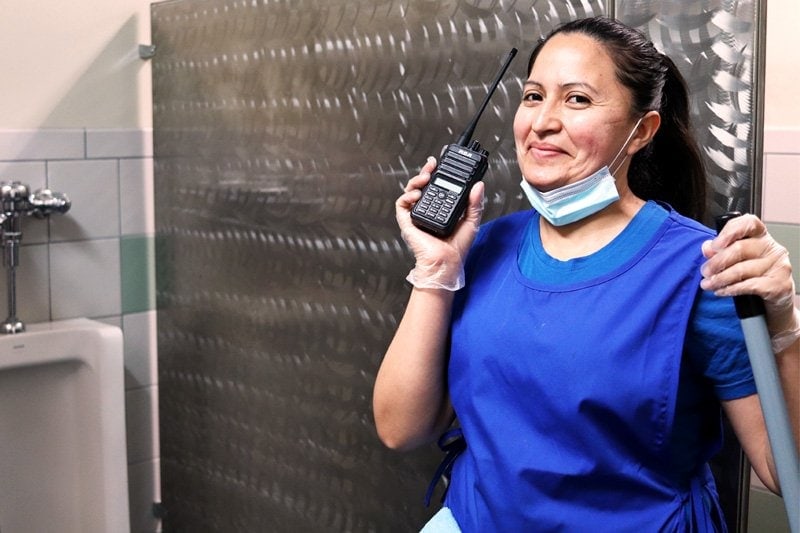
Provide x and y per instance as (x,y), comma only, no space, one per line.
(591,340)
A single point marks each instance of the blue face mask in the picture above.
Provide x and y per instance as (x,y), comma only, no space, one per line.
(575,201)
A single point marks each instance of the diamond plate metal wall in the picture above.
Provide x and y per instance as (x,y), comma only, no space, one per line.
(283,133)
(716,46)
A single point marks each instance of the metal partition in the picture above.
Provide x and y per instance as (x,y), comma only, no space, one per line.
(284,131)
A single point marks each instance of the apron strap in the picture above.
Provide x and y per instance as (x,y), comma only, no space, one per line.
(452,442)
(702,511)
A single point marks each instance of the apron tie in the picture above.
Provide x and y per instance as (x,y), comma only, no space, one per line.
(702,512)
(452,442)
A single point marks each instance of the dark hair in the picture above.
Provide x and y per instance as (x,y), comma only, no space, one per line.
(670,168)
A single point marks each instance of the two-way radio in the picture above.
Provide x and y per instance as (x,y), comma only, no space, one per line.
(461,166)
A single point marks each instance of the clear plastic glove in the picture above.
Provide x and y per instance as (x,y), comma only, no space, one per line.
(439,262)
(745,259)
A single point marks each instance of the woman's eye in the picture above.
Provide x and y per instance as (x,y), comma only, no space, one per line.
(531,97)
(578,99)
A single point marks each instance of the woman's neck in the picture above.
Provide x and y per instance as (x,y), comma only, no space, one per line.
(589,235)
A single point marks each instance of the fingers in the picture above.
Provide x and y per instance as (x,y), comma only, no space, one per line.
(739,252)
(424,176)
(745,259)
(476,200)
(412,192)
(736,229)
(743,238)
(768,277)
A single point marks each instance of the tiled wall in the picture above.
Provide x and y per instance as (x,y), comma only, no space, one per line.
(781,191)
(780,209)
(96,261)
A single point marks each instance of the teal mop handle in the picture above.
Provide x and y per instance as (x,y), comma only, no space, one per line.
(751,313)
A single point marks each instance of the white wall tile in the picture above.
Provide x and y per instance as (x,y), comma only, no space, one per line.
(93,189)
(141,345)
(34,230)
(32,287)
(781,188)
(141,419)
(119,143)
(782,140)
(85,279)
(23,145)
(31,173)
(137,216)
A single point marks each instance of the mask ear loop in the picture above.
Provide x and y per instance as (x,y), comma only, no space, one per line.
(624,145)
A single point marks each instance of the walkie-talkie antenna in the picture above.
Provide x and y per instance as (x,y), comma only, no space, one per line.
(467,135)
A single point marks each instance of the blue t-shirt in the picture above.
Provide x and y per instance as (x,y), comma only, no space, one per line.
(714,351)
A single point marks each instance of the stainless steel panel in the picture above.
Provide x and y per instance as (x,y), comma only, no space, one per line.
(284,131)
(717,47)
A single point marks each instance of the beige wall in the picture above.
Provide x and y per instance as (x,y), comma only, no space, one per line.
(74,64)
(781,109)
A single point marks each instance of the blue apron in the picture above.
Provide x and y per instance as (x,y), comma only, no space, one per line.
(566,394)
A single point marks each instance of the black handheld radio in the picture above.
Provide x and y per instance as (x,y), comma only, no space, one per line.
(461,166)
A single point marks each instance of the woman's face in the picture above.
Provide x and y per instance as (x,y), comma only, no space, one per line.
(574,117)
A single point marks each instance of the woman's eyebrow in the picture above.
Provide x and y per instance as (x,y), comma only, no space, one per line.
(566,85)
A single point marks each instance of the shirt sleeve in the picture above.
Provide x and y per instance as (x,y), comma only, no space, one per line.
(715,346)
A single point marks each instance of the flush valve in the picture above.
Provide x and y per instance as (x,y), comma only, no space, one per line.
(16,201)
(44,202)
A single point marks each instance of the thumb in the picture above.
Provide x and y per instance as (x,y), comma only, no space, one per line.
(475,207)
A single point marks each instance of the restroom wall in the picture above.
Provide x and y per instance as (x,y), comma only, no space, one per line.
(74,64)
(76,114)
(96,261)
(780,209)
(781,187)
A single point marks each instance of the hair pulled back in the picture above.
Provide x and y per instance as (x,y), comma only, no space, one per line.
(670,168)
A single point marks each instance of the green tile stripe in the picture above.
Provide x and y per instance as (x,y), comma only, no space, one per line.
(137,270)
(789,236)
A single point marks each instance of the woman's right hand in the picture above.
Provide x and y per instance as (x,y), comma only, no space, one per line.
(439,260)
(410,399)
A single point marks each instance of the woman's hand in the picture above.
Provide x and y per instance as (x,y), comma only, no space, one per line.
(745,259)
(439,261)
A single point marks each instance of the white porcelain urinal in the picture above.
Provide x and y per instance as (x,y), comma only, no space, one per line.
(63,465)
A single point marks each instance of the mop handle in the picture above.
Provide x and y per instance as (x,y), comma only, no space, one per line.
(751,313)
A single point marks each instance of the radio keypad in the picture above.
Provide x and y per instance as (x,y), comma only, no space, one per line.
(437,203)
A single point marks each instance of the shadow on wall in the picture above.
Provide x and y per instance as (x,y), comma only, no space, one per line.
(107,93)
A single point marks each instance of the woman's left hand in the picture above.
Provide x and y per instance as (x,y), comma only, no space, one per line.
(745,259)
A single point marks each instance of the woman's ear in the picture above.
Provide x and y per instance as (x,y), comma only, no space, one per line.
(645,132)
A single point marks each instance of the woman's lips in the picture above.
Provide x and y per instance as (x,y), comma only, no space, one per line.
(544,150)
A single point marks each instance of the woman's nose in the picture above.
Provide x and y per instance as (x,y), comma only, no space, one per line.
(545,118)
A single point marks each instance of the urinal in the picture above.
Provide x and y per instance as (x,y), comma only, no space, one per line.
(63,464)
